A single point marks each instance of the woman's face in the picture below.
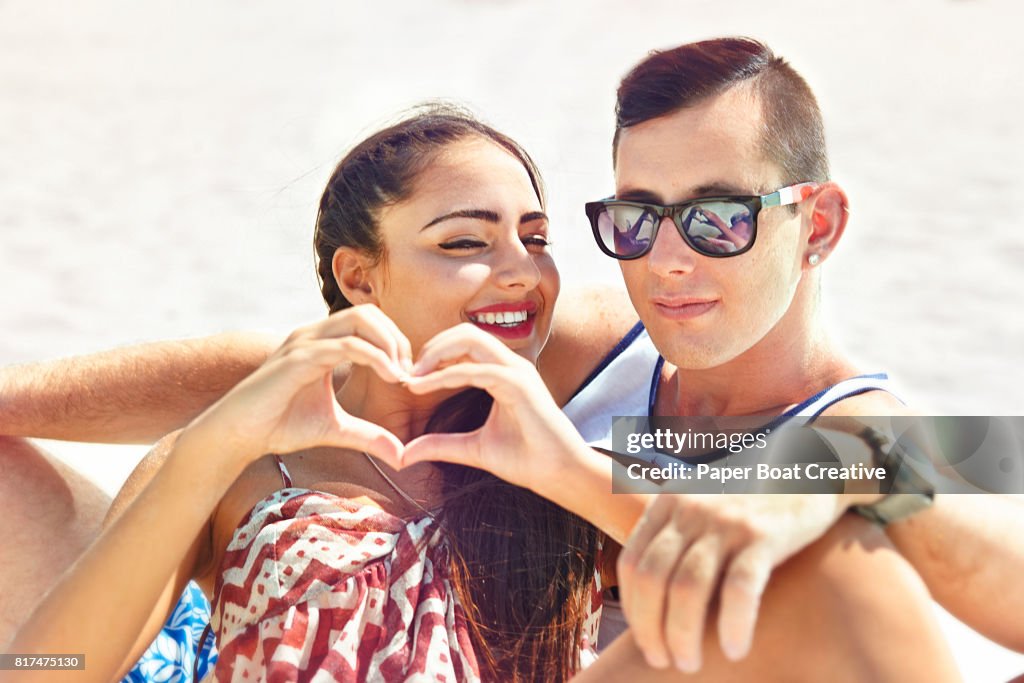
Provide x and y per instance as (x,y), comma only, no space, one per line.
(470,244)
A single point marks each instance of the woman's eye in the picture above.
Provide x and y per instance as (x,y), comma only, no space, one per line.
(536,241)
(462,244)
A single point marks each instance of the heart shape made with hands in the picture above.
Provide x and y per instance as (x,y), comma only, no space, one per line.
(432,372)
(458,358)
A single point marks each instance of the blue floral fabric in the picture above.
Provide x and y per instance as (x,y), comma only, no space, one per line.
(172,655)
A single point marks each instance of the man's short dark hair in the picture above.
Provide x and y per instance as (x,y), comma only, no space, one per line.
(670,80)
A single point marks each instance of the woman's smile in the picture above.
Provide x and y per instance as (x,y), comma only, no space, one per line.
(510,320)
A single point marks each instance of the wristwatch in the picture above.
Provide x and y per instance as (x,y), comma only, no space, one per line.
(906,490)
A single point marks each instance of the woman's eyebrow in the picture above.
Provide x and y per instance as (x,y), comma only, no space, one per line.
(484,215)
(477,214)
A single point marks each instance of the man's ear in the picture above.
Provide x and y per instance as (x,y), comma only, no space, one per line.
(829,210)
(352,271)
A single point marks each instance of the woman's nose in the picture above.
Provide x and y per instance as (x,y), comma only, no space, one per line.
(515,267)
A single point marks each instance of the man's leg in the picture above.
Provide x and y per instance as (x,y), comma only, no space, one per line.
(48,515)
(848,608)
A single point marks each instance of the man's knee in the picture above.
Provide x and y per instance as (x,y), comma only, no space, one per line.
(855,567)
(851,598)
(48,515)
(38,485)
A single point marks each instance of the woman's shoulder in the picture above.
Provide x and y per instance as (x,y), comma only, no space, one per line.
(317,480)
(587,325)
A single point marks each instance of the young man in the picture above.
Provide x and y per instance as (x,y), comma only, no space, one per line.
(725,128)
(734,315)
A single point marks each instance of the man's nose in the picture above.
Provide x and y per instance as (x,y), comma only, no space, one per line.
(670,254)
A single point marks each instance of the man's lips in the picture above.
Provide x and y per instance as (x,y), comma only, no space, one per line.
(683,308)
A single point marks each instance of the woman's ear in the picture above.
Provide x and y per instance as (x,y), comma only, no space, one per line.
(352,270)
(829,210)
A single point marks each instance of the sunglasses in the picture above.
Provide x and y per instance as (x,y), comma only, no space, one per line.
(712,226)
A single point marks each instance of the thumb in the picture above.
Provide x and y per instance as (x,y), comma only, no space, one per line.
(361,435)
(461,449)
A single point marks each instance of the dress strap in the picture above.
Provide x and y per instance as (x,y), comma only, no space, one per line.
(286,478)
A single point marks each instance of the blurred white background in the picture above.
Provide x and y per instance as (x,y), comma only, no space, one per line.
(161,162)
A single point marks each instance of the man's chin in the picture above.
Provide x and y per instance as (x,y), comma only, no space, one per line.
(692,352)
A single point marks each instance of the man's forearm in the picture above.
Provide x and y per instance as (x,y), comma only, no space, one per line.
(134,394)
(969,549)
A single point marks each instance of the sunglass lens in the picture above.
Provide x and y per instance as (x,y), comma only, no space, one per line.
(718,227)
(626,230)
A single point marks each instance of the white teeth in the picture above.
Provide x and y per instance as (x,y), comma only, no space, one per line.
(508,318)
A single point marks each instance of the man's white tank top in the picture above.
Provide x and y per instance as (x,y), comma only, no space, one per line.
(626,383)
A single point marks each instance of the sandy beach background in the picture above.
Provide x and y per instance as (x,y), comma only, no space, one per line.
(160,165)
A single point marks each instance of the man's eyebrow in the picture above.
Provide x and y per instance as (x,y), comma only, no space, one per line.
(637,195)
(718,189)
(714,189)
(476,214)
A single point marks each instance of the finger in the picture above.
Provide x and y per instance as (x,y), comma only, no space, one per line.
(690,590)
(460,343)
(323,355)
(461,449)
(404,346)
(502,383)
(369,323)
(359,435)
(404,356)
(742,587)
(644,594)
(656,515)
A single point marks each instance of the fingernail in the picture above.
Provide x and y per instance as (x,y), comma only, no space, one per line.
(734,650)
(656,661)
(407,365)
(688,665)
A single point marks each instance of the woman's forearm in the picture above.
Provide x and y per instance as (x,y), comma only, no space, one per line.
(134,394)
(113,594)
(969,549)
(582,483)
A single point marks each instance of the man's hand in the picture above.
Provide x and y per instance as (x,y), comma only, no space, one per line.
(690,552)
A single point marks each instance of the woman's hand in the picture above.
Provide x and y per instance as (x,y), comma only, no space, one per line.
(689,552)
(525,435)
(288,404)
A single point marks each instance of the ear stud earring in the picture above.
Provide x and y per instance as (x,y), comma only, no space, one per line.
(814,259)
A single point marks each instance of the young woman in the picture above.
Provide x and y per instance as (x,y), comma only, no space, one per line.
(344,552)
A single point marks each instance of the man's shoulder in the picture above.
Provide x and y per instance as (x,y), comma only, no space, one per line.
(588,323)
(870,403)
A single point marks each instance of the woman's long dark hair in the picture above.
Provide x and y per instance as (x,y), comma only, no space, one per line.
(523,568)
(526,564)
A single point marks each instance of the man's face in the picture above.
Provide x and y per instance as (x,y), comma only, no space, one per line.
(703,312)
